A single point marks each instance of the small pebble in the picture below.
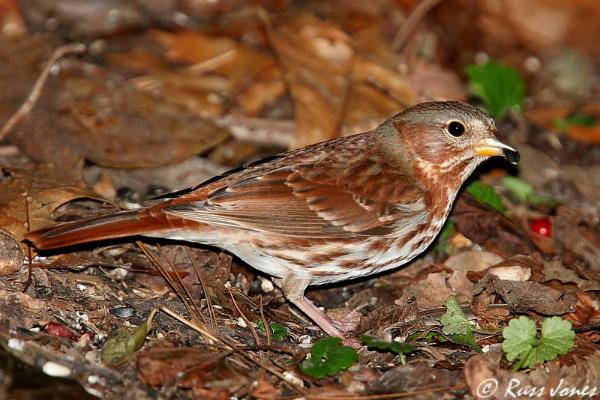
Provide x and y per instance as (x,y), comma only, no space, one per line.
(52,368)
(122,312)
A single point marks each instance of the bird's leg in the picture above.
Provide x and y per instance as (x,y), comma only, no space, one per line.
(293,289)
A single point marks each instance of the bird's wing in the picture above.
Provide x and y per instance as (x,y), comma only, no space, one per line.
(346,198)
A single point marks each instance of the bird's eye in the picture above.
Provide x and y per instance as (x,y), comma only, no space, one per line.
(456,128)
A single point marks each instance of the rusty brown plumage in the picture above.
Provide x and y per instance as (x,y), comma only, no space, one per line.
(333,211)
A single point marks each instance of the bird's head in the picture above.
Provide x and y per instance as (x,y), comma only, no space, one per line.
(450,137)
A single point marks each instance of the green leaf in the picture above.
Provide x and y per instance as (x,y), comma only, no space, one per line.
(467,339)
(328,357)
(456,325)
(442,244)
(519,338)
(431,336)
(522,191)
(499,87)
(487,195)
(278,331)
(454,320)
(124,343)
(521,343)
(563,124)
(518,188)
(400,348)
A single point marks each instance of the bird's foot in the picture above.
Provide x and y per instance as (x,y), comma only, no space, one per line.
(341,328)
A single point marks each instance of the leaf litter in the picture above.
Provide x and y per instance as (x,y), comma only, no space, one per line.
(179,91)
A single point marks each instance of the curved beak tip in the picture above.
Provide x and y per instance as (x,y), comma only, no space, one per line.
(491,147)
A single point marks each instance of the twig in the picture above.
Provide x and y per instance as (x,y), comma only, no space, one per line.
(191,324)
(246,320)
(411,23)
(265,322)
(232,346)
(36,91)
(192,305)
(211,314)
(184,299)
(28,222)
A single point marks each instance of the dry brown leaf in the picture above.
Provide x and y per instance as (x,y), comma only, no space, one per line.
(488,382)
(571,374)
(555,270)
(586,311)
(93,114)
(526,296)
(317,58)
(431,292)
(38,190)
(11,254)
(415,377)
(88,112)
(205,372)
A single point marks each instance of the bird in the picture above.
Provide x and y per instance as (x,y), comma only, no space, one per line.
(330,212)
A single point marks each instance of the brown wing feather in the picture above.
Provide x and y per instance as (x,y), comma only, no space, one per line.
(312,200)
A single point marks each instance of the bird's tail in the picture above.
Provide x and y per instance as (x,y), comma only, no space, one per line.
(112,226)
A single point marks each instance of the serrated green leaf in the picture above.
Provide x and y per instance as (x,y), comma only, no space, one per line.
(328,357)
(558,338)
(520,341)
(519,337)
(454,321)
(456,325)
(487,195)
(499,87)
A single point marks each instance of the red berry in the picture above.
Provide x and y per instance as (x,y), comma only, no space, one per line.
(60,330)
(541,226)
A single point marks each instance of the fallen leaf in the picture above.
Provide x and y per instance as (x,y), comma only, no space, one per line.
(38,191)
(204,371)
(11,254)
(472,260)
(586,311)
(526,296)
(488,382)
(555,270)
(317,58)
(415,377)
(93,114)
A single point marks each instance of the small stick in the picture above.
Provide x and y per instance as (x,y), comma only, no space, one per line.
(411,22)
(29,266)
(230,345)
(36,91)
(265,322)
(246,320)
(211,314)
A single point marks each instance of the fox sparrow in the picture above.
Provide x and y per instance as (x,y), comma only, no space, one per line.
(333,211)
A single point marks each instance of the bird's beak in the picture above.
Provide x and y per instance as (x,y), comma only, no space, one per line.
(492,147)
